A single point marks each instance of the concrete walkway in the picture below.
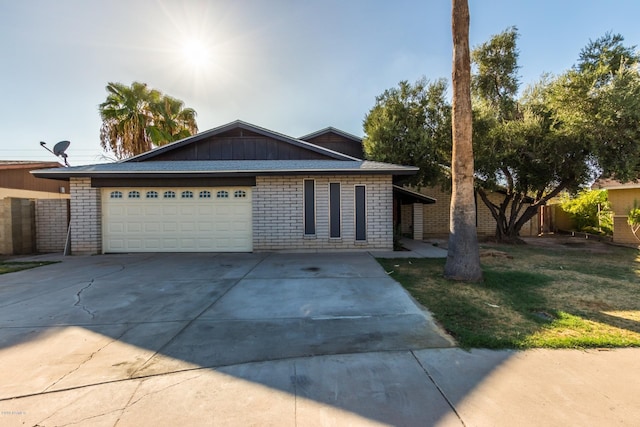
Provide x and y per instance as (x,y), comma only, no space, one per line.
(271,339)
(415,249)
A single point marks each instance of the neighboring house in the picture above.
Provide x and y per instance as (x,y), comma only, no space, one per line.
(29,205)
(16,181)
(623,198)
(235,188)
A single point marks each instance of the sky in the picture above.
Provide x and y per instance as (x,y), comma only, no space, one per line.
(291,66)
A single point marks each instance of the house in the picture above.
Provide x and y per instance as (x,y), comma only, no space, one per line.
(235,188)
(28,204)
(623,198)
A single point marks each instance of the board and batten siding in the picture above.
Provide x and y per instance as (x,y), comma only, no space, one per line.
(278,213)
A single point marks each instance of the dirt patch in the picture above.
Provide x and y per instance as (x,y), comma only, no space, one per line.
(564,242)
(494,253)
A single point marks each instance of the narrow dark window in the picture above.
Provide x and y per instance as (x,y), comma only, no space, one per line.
(334,209)
(309,207)
(361,213)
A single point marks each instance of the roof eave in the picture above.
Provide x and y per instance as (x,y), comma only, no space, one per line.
(66,175)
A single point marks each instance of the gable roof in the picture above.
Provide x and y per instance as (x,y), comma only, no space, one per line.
(331,130)
(239,124)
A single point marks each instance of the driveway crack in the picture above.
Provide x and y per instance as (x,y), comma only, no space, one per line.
(79,301)
(87,359)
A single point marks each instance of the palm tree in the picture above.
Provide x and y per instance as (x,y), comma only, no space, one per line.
(135,118)
(463,259)
(171,121)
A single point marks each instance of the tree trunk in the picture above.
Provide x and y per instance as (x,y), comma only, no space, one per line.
(508,226)
(463,258)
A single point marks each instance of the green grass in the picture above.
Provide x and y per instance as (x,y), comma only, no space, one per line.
(534,297)
(11,266)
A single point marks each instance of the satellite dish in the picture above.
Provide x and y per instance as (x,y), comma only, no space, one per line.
(60,148)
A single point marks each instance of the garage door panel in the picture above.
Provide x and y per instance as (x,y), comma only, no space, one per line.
(180,224)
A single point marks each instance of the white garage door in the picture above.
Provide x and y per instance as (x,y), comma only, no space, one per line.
(177,219)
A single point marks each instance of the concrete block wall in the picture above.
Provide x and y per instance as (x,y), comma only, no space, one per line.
(278,218)
(17,226)
(52,220)
(86,213)
(436,215)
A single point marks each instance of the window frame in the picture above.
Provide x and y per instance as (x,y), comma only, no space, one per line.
(309,212)
(332,213)
(363,213)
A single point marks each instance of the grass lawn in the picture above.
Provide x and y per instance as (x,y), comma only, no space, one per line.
(566,295)
(11,266)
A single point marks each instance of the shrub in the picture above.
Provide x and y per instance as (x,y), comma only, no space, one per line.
(590,210)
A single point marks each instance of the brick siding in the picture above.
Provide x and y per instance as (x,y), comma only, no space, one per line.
(278,217)
(86,212)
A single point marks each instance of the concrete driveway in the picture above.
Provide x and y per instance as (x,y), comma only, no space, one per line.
(119,323)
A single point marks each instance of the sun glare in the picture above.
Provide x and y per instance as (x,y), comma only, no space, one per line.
(196,53)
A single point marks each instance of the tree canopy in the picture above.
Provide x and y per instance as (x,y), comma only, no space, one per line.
(561,133)
(558,134)
(411,124)
(136,118)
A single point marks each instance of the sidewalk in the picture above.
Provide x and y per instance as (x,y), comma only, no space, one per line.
(437,387)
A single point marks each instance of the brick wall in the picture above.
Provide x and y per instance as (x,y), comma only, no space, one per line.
(86,212)
(278,219)
(52,220)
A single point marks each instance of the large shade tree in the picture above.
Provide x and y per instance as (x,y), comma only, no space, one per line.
(136,118)
(560,133)
(411,124)
(556,135)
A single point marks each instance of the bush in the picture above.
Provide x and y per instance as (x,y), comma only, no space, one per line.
(634,220)
(590,211)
